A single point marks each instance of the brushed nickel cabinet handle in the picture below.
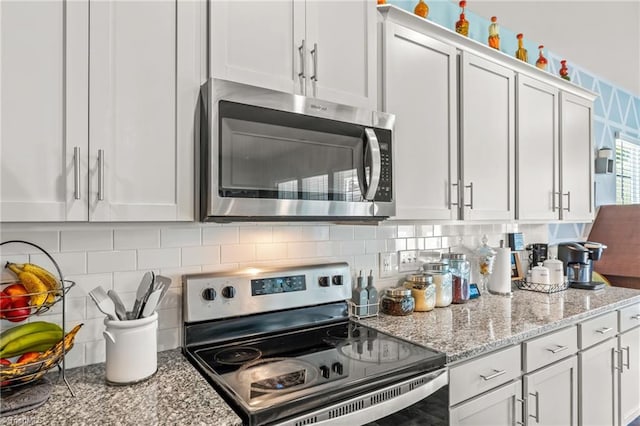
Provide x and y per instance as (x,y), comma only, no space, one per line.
(568,195)
(302,74)
(451,203)
(515,418)
(314,76)
(636,317)
(619,360)
(558,349)
(537,397)
(628,349)
(100,174)
(496,373)
(76,172)
(470,186)
(553,200)
(604,330)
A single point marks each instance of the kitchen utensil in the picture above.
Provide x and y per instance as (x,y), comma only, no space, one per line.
(121,311)
(151,304)
(164,283)
(144,288)
(104,303)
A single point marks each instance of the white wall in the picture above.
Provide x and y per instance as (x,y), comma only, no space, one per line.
(601,36)
(116,256)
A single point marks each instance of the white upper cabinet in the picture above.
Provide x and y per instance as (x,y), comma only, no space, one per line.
(143,92)
(576,158)
(422,70)
(487,139)
(117,146)
(537,153)
(324,49)
(43,115)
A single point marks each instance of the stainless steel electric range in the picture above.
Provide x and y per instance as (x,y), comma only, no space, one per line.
(279,347)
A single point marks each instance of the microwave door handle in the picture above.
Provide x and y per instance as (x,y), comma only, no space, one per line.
(373,149)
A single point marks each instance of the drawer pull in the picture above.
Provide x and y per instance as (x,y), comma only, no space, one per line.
(636,317)
(496,373)
(604,330)
(628,357)
(558,349)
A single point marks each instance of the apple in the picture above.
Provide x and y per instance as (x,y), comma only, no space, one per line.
(4,361)
(5,303)
(28,357)
(17,294)
(17,314)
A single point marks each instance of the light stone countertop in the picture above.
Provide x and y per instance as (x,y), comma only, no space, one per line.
(491,322)
(178,395)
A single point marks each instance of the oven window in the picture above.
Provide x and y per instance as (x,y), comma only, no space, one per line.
(281,155)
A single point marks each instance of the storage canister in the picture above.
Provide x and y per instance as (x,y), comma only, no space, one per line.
(442,280)
(397,301)
(460,274)
(423,291)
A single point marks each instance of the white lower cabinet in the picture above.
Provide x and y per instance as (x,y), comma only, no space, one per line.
(551,394)
(598,384)
(629,375)
(498,407)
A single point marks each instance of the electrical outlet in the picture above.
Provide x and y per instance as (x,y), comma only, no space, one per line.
(408,260)
(388,264)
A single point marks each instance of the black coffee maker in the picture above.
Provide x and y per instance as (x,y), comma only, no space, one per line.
(537,253)
(578,258)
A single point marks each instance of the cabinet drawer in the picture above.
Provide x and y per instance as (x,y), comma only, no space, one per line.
(629,317)
(481,374)
(598,329)
(549,348)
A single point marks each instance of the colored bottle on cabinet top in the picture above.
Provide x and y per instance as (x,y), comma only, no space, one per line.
(494,36)
(564,71)
(462,26)
(542,61)
(382,1)
(521,53)
(421,9)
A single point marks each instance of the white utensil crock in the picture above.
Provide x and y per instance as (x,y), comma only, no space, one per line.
(131,349)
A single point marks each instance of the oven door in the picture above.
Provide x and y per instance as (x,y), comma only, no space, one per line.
(422,400)
(273,155)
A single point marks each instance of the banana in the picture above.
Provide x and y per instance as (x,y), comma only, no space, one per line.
(52,356)
(46,277)
(26,329)
(26,343)
(31,283)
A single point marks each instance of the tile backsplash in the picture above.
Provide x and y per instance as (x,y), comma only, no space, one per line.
(116,256)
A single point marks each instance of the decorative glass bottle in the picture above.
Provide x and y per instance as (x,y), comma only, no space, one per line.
(462,26)
(421,9)
(494,34)
(521,53)
(564,71)
(486,257)
(542,61)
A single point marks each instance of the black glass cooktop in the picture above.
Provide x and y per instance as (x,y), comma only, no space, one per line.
(274,370)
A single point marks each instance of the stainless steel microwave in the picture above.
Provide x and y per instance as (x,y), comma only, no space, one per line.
(268,155)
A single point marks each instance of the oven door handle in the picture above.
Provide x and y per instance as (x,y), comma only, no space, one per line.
(434,381)
(372,158)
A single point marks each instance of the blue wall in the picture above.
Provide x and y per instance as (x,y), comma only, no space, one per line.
(615,109)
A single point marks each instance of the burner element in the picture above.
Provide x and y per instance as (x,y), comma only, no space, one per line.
(237,356)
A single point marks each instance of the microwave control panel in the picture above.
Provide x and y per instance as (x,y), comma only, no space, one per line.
(385,187)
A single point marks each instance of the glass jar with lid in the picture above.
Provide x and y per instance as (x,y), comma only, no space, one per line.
(423,291)
(397,301)
(460,274)
(442,280)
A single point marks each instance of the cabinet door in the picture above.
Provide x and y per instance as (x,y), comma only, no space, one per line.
(551,394)
(487,139)
(630,376)
(145,75)
(597,397)
(537,150)
(422,69)
(576,168)
(341,41)
(498,407)
(259,43)
(43,111)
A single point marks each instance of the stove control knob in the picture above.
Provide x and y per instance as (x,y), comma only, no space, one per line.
(337,368)
(209,294)
(324,370)
(229,292)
